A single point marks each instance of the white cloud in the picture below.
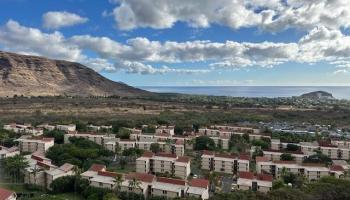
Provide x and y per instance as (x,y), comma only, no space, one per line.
(268,15)
(23,39)
(56,20)
(139,55)
(140,68)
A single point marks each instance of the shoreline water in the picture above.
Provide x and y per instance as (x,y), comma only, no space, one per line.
(339,92)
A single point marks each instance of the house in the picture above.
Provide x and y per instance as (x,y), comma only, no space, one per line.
(64,170)
(33,144)
(7,194)
(169,187)
(259,182)
(139,183)
(47,127)
(8,152)
(163,163)
(198,188)
(224,163)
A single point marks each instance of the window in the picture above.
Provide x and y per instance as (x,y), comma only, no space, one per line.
(164,192)
(101,184)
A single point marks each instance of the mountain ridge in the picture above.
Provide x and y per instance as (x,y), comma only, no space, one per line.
(39,76)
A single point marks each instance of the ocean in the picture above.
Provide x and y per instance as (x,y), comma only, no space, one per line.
(339,92)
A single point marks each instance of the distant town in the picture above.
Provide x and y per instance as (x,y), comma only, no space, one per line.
(163,161)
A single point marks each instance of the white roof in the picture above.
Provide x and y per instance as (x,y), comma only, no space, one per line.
(196,190)
(89,173)
(103,179)
(168,187)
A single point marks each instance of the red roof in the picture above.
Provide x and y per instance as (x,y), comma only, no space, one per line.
(107,173)
(5,194)
(261,159)
(140,177)
(45,139)
(264,177)
(226,156)
(148,154)
(206,152)
(285,161)
(184,159)
(171,181)
(41,164)
(37,158)
(179,142)
(336,168)
(246,175)
(169,155)
(202,183)
(97,167)
(244,157)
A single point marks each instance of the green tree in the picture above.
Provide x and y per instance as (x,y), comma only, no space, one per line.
(260,143)
(292,147)
(287,157)
(204,143)
(155,148)
(15,166)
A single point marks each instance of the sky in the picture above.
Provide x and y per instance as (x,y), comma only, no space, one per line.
(188,42)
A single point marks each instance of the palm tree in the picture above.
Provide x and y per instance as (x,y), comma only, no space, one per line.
(212,179)
(35,171)
(134,184)
(77,172)
(118,180)
(15,166)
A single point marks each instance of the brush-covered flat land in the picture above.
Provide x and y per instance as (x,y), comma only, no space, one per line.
(174,109)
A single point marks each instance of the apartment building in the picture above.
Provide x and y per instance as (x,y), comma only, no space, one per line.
(259,182)
(47,127)
(221,141)
(178,166)
(100,139)
(165,129)
(42,172)
(67,128)
(64,170)
(104,179)
(8,152)
(24,128)
(7,194)
(225,163)
(92,171)
(33,144)
(126,144)
(99,177)
(310,171)
(143,180)
(98,128)
(276,155)
(169,188)
(198,188)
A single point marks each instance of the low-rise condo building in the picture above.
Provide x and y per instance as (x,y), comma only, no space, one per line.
(8,152)
(259,182)
(225,163)
(164,163)
(33,144)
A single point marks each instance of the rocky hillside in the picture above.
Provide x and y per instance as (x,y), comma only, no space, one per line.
(38,76)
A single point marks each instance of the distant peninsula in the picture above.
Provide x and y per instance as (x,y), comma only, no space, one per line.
(318,95)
